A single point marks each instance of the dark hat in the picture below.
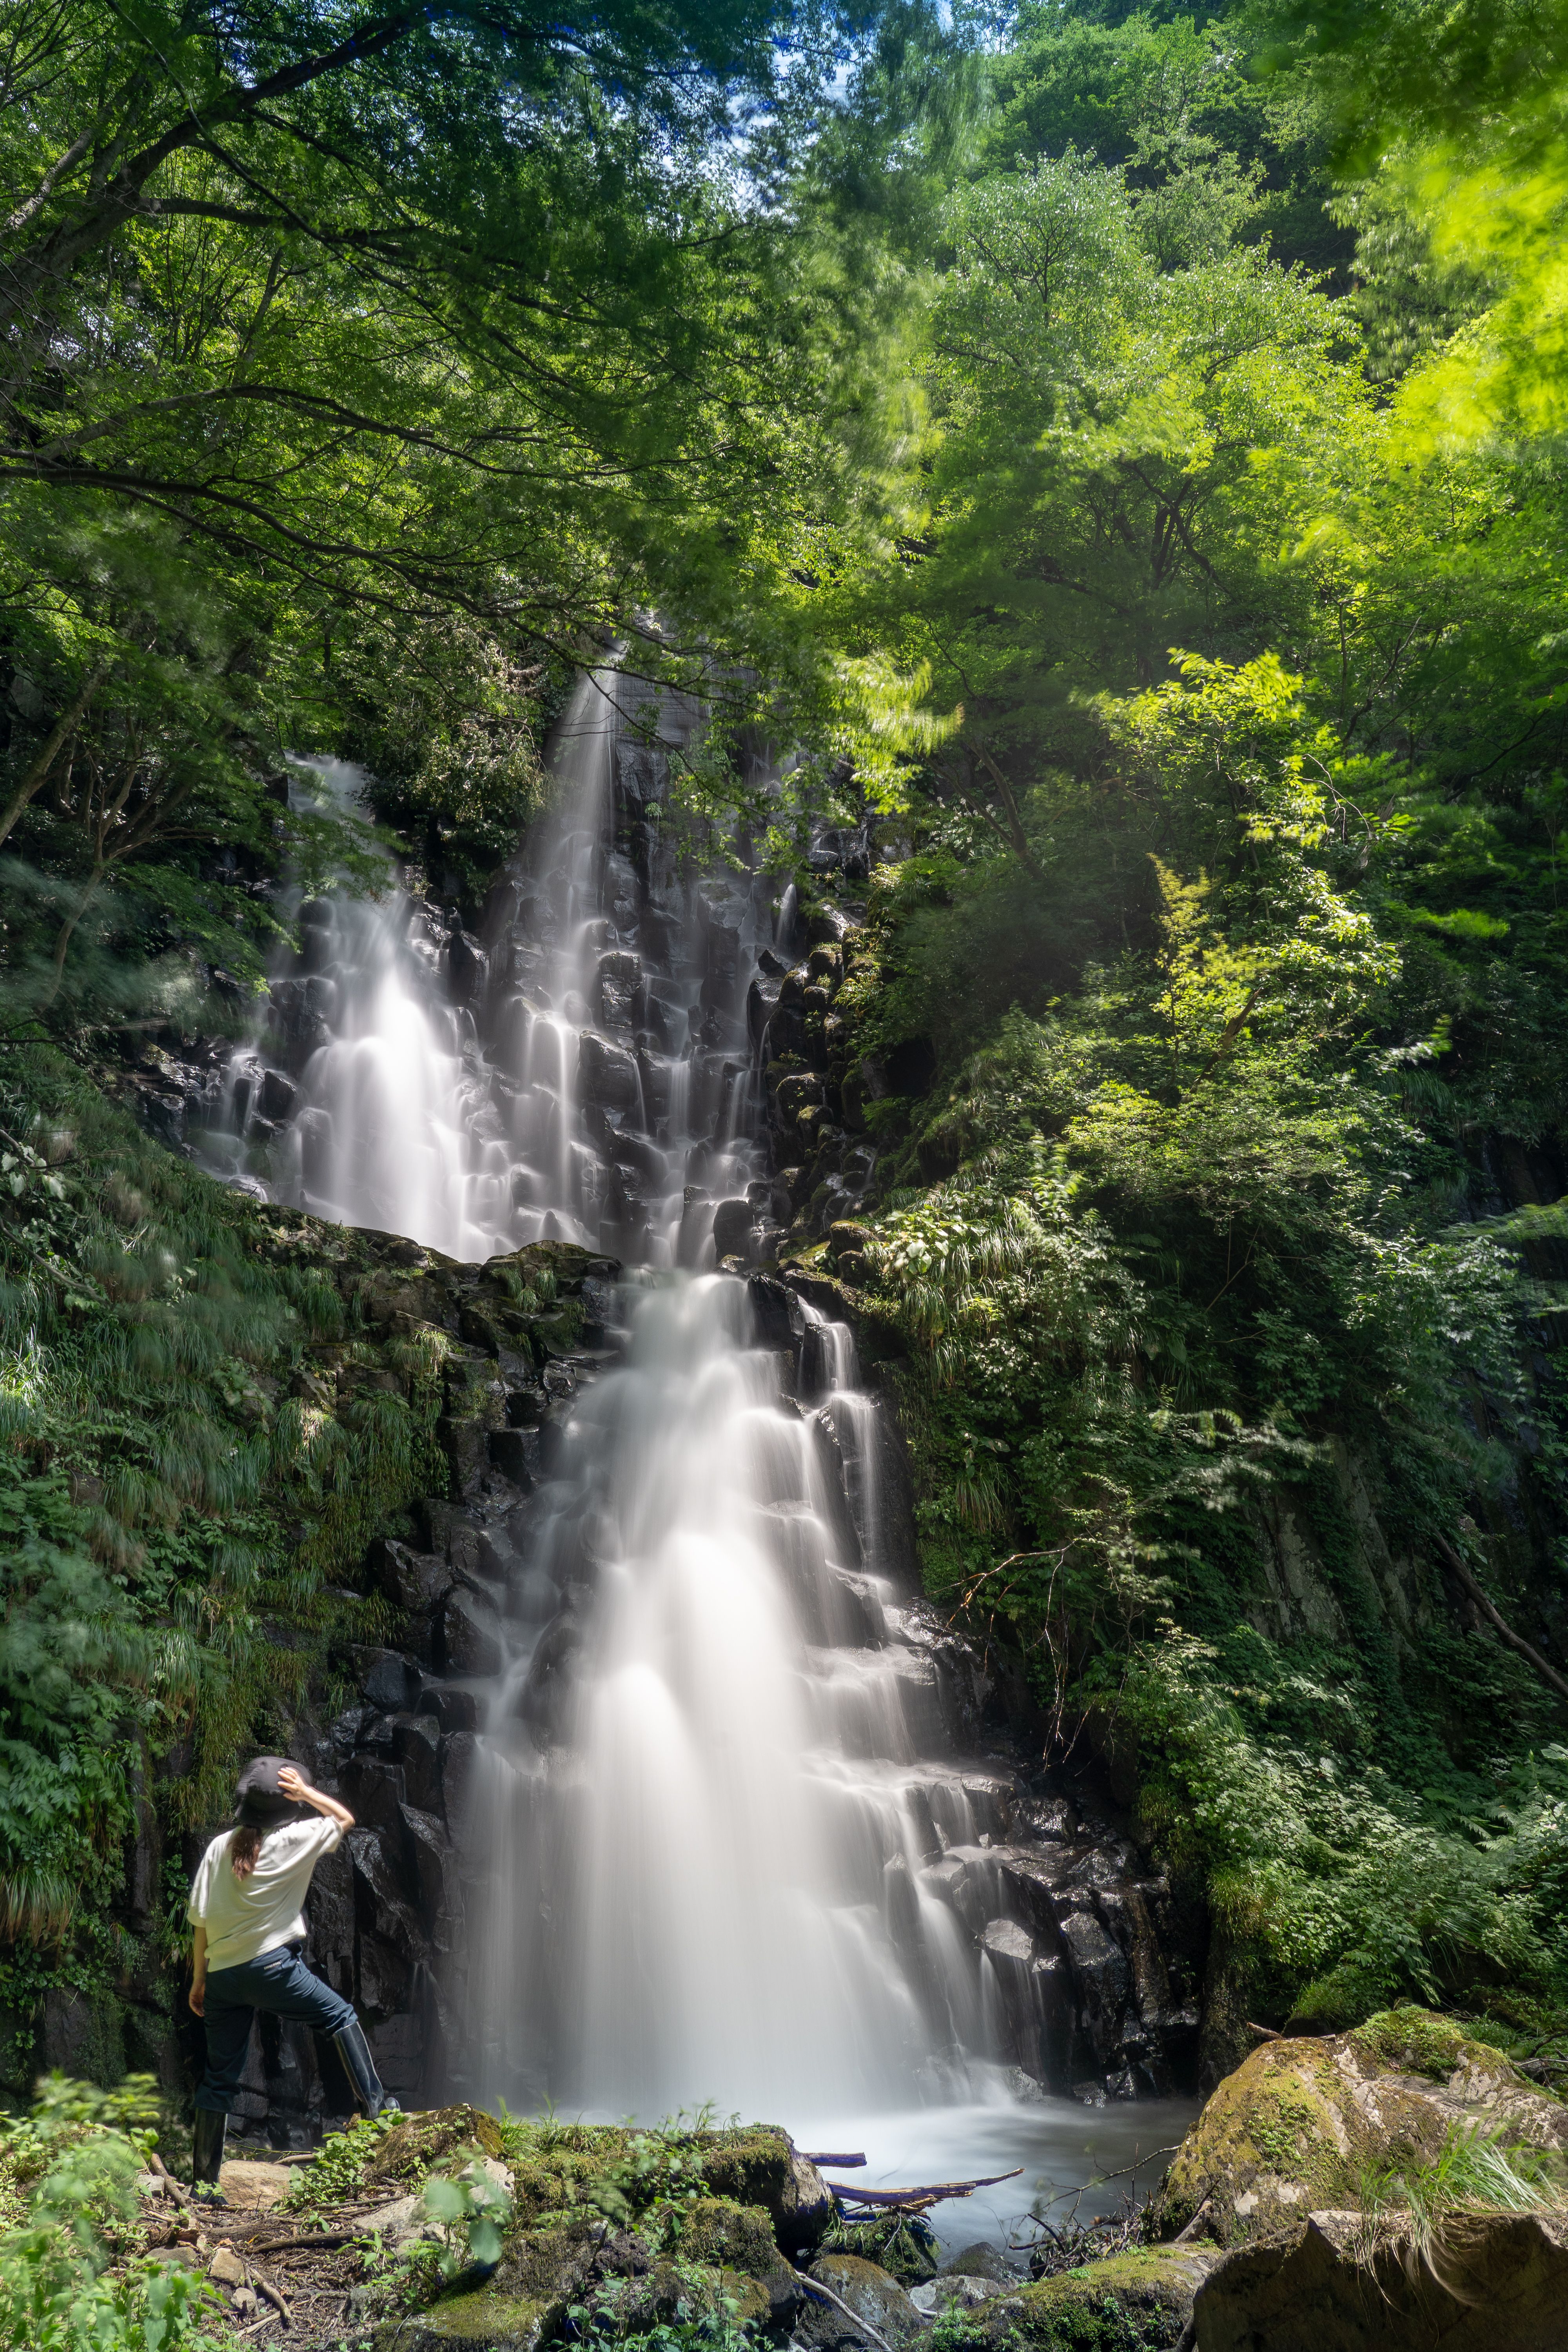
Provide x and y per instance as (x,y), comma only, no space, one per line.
(258,1801)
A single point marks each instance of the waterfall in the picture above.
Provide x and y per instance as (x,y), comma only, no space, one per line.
(704,1801)
(729,1837)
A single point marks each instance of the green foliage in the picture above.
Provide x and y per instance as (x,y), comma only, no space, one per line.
(164,1502)
(339,2166)
(659,2170)
(471,2211)
(1475,2172)
(903,2243)
(77,2155)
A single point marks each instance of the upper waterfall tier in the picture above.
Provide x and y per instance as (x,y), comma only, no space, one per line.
(578,1069)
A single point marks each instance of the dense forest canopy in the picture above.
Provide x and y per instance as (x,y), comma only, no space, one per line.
(1119,449)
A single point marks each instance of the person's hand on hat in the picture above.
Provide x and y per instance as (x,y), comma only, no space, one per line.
(291,1783)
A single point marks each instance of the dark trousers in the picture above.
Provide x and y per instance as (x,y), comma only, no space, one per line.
(278,1982)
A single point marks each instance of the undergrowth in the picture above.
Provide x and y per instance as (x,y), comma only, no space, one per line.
(1207,1382)
(180,1499)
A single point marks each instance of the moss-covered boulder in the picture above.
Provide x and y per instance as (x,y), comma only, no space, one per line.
(485,2320)
(1499,2284)
(1302,2123)
(1140,2301)
(426,2140)
(761,2165)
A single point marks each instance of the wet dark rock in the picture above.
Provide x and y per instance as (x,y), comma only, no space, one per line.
(429,1862)
(387,1680)
(413,1580)
(276,1098)
(383,1888)
(982,2260)
(417,1749)
(515,1453)
(458,1749)
(468,967)
(472,1633)
(373,1789)
(545,1700)
(607,1073)
(455,1707)
(732,1222)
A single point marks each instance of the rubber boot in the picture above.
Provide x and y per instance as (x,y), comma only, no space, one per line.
(206,2158)
(360,2067)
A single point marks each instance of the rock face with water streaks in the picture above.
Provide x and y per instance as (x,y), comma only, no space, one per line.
(647,1660)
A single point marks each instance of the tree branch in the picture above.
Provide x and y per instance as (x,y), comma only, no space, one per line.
(64,728)
(1504,1630)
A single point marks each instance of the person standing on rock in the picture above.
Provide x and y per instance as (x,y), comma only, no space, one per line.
(246,1907)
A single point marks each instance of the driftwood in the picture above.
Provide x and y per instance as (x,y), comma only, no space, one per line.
(815,2156)
(914,2201)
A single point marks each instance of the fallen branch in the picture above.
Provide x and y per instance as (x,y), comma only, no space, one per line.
(323,2244)
(1504,1630)
(1264,2033)
(912,2200)
(812,2157)
(862,2326)
(180,2196)
(265,2286)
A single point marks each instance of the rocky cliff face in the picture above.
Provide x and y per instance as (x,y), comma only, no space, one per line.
(1094,1966)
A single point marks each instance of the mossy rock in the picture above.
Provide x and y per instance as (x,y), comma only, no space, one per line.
(1300,2124)
(485,2320)
(718,2231)
(417,2143)
(1139,2301)
(553,2165)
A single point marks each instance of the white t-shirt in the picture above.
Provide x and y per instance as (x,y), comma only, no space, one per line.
(247,1916)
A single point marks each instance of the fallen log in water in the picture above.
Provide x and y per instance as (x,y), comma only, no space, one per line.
(914,2200)
(815,2156)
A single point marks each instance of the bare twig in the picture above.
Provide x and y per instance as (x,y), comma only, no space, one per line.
(265,2286)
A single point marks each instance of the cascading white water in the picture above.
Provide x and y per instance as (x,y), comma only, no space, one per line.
(724,1845)
(707,1817)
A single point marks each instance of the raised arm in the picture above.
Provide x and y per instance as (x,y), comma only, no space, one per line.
(288,1781)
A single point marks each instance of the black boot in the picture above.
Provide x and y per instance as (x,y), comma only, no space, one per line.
(360,2067)
(206,2158)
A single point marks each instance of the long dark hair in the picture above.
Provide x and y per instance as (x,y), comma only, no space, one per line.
(243,1848)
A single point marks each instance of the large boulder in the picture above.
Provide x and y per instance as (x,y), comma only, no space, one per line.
(761,2165)
(1497,2283)
(1299,2124)
(870,2292)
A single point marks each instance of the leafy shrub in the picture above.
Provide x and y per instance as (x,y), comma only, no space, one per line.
(77,2155)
